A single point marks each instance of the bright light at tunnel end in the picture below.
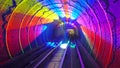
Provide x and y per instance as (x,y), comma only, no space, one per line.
(64,45)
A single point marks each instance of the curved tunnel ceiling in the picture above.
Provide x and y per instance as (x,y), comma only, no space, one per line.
(22,21)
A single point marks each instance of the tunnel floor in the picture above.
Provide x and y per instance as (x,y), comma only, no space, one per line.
(74,56)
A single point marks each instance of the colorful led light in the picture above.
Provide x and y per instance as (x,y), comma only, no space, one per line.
(23,21)
(64,45)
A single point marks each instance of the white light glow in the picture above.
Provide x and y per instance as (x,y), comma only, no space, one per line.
(63,46)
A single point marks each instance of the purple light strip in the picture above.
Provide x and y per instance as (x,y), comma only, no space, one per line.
(63,58)
(45,57)
(80,58)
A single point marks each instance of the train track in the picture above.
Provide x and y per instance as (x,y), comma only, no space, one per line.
(48,57)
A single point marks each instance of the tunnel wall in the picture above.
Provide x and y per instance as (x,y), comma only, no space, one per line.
(102,32)
(16,36)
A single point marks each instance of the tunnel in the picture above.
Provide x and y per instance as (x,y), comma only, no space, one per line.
(59,33)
